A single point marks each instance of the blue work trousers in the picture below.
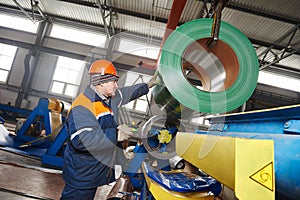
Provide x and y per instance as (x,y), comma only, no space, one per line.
(70,193)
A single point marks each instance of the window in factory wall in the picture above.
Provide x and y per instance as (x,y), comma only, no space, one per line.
(77,35)
(7,54)
(275,80)
(139,49)
(67,76)
(140,104)
(23,24)
(200,121)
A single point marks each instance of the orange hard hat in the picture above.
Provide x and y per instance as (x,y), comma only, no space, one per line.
(103,67)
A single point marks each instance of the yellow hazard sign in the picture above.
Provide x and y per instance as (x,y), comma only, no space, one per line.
(264,176)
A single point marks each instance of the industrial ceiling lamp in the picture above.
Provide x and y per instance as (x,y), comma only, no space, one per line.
(36,8)
(115,16)
(35,5)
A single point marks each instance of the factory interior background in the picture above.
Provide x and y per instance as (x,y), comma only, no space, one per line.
(46,48)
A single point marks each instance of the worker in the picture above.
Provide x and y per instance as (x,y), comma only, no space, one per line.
(90,154)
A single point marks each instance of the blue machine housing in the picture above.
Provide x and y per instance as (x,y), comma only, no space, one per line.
(27,141)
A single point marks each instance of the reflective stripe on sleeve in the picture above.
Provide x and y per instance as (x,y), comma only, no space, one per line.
(80,131)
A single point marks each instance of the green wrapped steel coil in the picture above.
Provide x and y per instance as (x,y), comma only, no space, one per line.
(242,78)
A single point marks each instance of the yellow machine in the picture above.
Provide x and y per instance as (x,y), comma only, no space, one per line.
(244,165)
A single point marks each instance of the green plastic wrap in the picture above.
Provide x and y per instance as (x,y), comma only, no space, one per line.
(170,68)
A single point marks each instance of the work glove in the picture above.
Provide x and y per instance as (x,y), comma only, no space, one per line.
(126,132)
(154,80)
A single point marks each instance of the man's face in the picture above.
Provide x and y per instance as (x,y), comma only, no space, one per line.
(109,88)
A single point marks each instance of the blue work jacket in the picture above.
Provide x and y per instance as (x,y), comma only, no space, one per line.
(89,156)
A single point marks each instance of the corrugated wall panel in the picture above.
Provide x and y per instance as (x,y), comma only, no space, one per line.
(191,10)
(288,9)
(141,26)
(73,11)
(256,27)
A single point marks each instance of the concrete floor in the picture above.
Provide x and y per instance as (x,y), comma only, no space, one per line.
(23,178)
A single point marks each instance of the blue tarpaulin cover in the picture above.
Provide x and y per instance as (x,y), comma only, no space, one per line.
(180,181)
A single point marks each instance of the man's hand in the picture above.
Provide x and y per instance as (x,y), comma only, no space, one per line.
(126,132)
(154,80)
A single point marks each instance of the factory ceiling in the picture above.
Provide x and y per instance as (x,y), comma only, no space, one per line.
(272,26)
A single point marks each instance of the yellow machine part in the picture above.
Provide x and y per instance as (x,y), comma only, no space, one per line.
(164,136)
(160,193)
(244,165)
(55,107)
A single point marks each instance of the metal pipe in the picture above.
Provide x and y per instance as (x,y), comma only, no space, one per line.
(275,61)
(279,39)
(289,42)
(22,9)
(103,19)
